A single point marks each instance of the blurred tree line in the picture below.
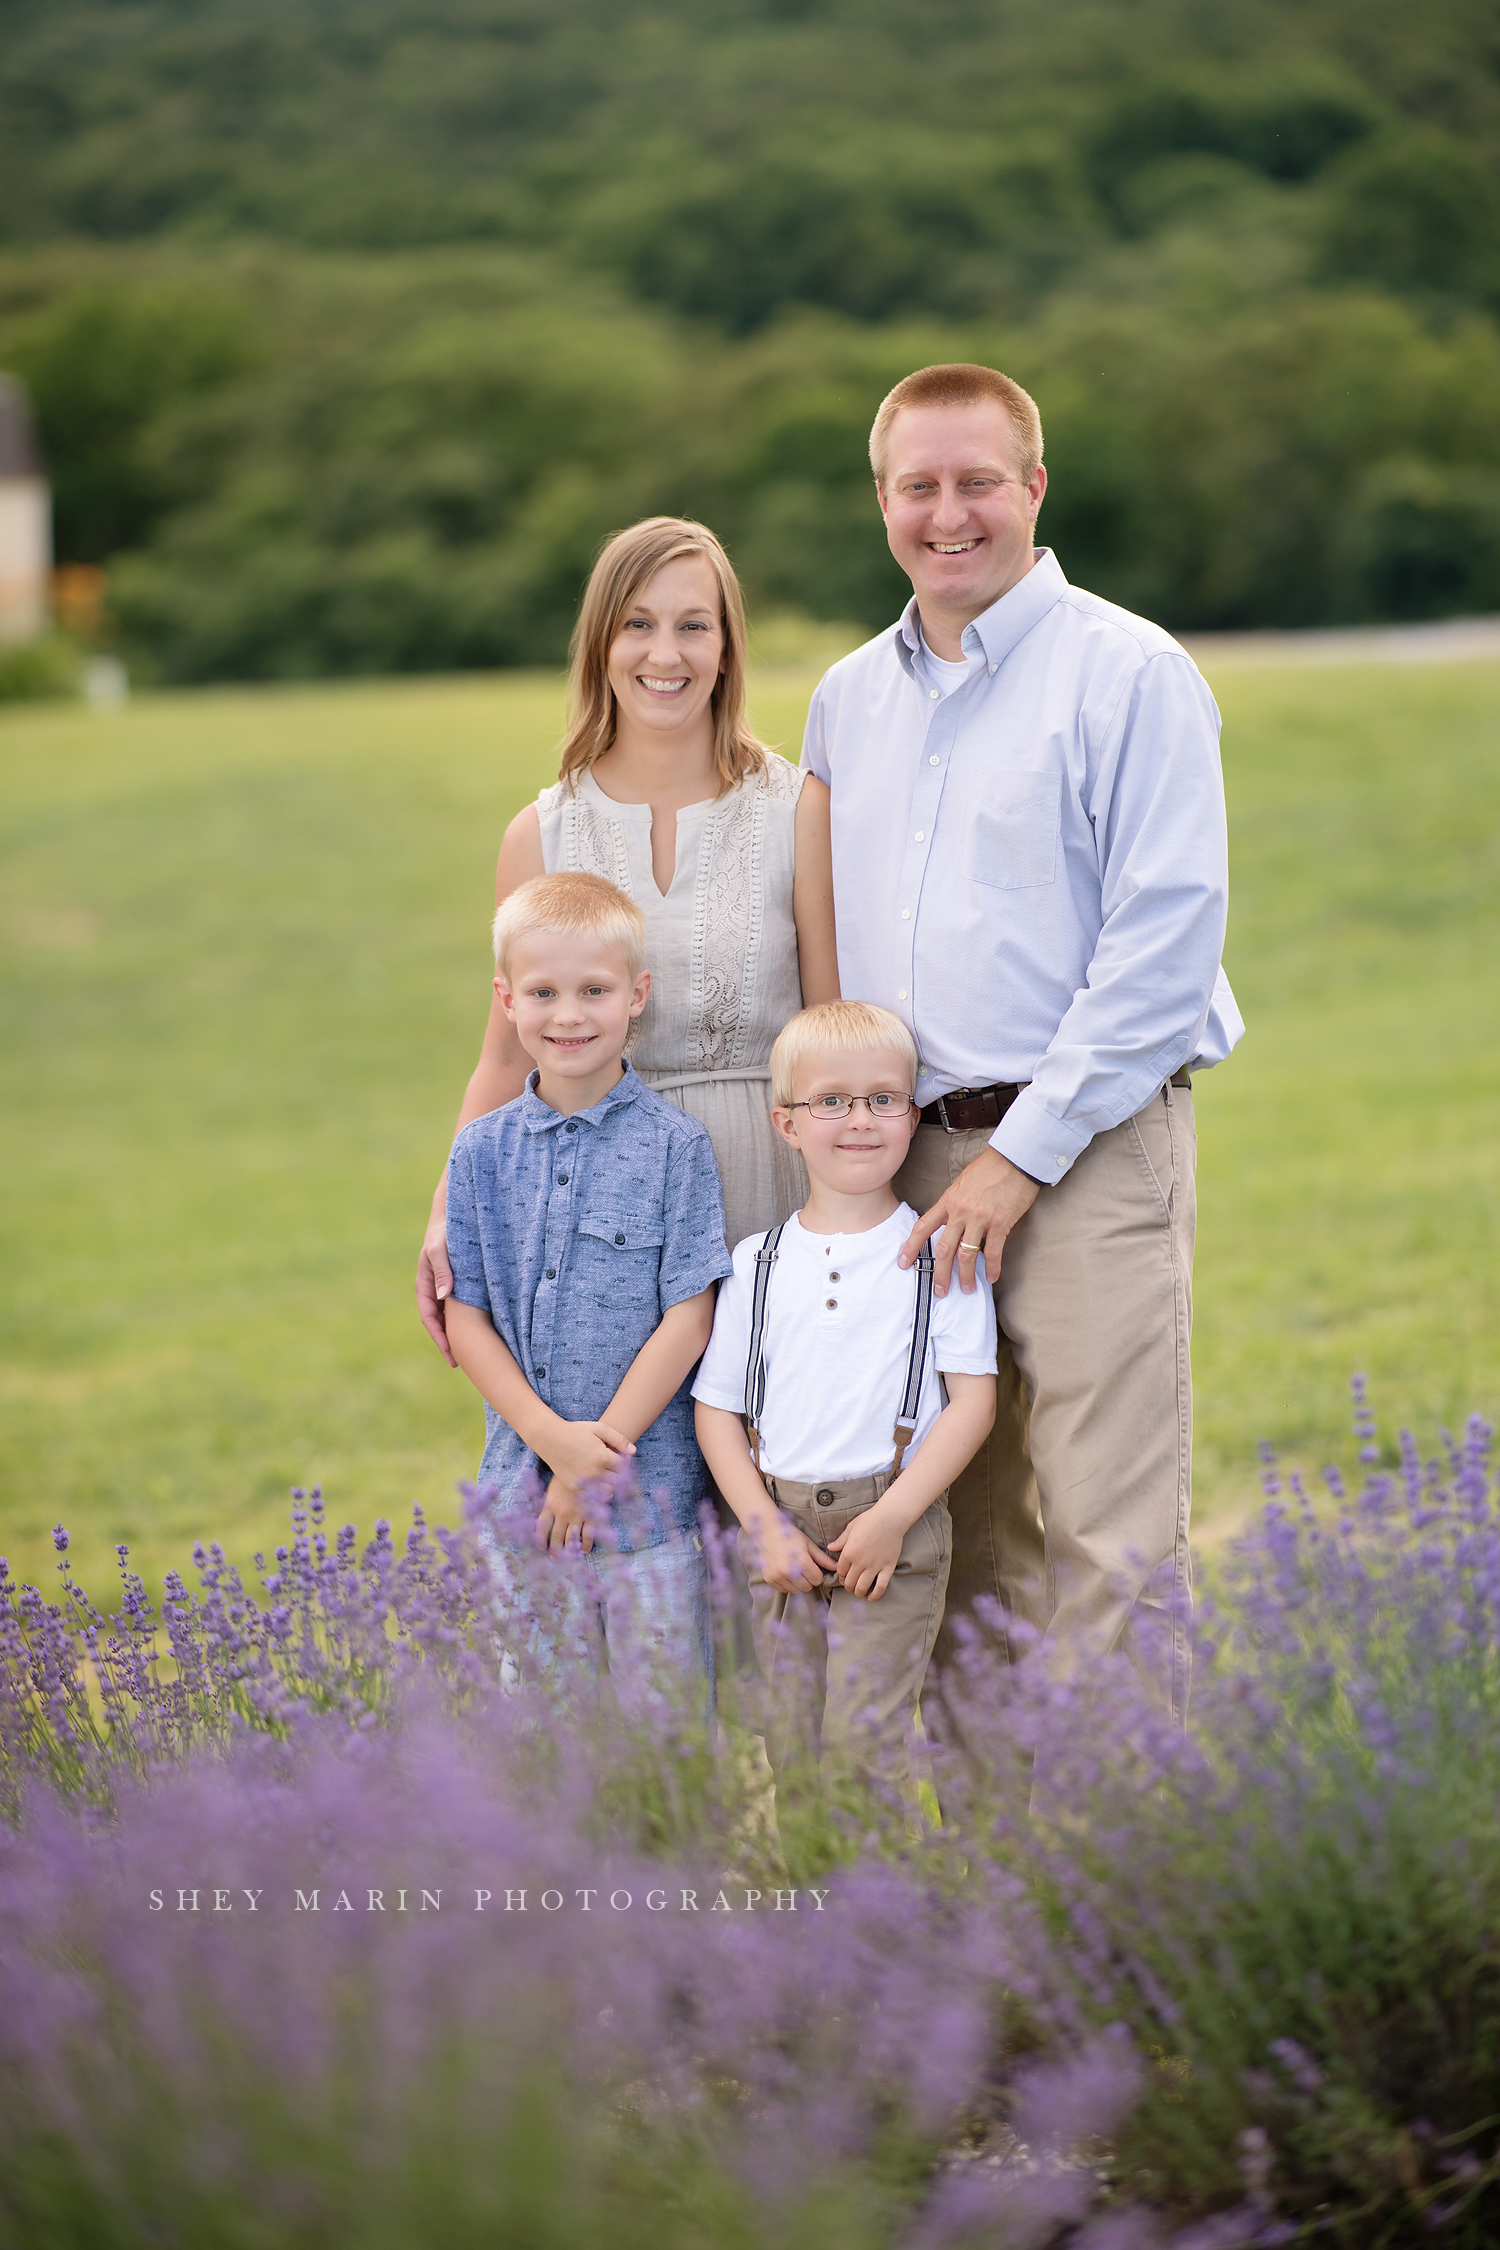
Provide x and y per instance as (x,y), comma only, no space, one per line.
(353,329)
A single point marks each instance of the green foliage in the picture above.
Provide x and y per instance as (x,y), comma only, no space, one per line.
(106,366)
(1416,210)
(40,670)
(353,331)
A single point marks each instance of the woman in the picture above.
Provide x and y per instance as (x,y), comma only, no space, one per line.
(664,789)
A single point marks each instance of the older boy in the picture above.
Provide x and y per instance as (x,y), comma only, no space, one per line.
(586,1232)
(862,1394)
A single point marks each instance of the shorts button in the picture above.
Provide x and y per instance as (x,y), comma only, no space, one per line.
(825,1497)
(620,1240)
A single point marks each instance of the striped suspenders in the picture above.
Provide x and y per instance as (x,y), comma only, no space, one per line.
(916,1357)
(755,1365)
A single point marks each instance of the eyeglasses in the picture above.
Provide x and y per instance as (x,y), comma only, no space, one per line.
(841,1105)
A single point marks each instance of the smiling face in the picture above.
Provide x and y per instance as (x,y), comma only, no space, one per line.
(666,657)
(571,997)
(958,515)
(853,1155)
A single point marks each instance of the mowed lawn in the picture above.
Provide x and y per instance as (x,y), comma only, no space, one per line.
(245,971)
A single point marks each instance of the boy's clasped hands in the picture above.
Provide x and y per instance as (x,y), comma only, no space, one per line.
(863,1558)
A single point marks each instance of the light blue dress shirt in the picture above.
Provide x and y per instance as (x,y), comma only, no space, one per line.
(1031,868)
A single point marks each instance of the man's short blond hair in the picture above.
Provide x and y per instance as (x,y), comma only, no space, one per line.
(580,904)
(960,383)
(837,1027)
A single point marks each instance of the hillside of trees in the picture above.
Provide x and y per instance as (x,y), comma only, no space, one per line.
(353,325)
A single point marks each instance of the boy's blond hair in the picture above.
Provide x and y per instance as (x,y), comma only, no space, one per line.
(851,1027)
(583,904)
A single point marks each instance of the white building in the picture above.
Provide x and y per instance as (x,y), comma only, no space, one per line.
(25,520)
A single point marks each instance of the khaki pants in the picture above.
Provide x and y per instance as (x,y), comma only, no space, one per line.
(841,1672)
(1074,1516)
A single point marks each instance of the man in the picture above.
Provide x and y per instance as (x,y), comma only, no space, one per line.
(1030,867)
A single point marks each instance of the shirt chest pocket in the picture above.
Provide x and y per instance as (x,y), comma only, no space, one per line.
(1012,838)
(626,1233)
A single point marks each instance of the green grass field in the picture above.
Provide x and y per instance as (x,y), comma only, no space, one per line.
(245,971)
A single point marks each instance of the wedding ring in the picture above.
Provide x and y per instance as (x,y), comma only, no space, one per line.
(970,1246)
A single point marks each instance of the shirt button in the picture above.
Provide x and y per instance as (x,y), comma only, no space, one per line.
(1062,1160)
(541,1374)
(921,836)
(932,761)
(571,1126)
(552,1273)
(994,668)
(901,995)
(932,691)
(620,1241)
(830,1304)
(562,1179)
(906,913)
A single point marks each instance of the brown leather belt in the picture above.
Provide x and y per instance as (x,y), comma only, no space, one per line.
(971,1109)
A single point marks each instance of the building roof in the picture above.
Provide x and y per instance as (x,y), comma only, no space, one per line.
(20,454)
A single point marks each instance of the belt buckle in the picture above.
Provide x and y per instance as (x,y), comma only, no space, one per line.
(959,1094)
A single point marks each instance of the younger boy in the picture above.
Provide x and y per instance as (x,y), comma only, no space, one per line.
(838,1398)
(586,1232)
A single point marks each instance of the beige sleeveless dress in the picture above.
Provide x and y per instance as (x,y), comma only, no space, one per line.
(722,950)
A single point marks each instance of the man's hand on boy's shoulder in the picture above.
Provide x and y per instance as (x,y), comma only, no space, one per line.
(868,1553)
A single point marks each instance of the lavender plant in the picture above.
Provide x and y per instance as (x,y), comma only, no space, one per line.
(338,1911)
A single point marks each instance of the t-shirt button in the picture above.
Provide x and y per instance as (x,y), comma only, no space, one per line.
(833,1277)
(562,1179)
(620,1241)
(831,1304)
(825,1496)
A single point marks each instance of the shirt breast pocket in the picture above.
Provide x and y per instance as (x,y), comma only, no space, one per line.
(1013,834)
(625,1232)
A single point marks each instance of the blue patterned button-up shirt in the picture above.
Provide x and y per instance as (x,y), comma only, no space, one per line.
(575,1235)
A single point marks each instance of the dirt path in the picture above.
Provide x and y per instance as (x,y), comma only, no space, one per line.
(1441,643)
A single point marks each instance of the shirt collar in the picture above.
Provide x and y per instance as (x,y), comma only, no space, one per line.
(997,630)
(539,1117)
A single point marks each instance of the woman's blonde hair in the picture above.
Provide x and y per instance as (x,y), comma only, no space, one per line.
(837,1027)
(582,905)
(625,564)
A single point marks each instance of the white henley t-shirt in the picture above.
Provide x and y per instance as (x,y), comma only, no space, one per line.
(838,1332)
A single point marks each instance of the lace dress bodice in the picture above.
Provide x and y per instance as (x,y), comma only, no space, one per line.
(721,945)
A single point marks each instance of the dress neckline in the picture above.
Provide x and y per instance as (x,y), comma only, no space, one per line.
(637,818)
